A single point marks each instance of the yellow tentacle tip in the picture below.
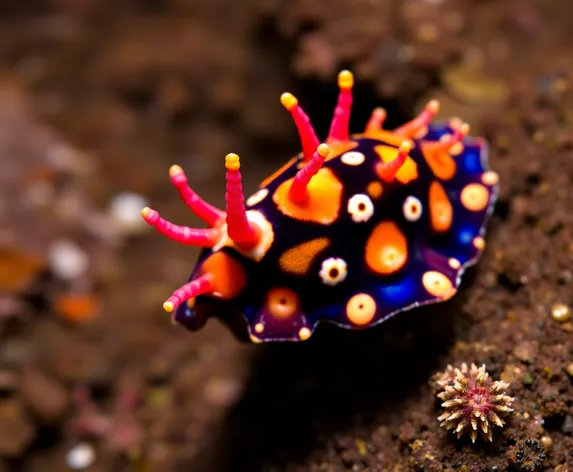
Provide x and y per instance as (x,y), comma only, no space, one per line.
(433,106)
(174,170)
(304,334)
(146,212)
(323,150)
(168,307)
(232,162)
(405,147)
(379,112)
(289,101)
(464,129)
(345,79)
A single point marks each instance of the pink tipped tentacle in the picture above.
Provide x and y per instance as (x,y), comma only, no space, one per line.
(239,229)
(376,120)
(460,132)
(298,191)
(411,128)
(199,286)
(208,213)
(387,170)
(181,234)
(340,126)
(308,138)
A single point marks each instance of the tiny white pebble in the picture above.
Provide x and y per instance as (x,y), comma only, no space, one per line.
(125,209)
(80,457)
(67,260)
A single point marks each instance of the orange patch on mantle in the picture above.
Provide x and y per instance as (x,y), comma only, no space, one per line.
(408,171)
(386,249)
(323,206)
(297,260)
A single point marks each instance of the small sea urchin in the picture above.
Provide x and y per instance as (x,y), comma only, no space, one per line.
(473,402)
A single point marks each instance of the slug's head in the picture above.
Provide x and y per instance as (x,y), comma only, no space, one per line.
(235,238)
(241,246)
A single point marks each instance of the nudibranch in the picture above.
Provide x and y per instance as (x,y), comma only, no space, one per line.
(350,231)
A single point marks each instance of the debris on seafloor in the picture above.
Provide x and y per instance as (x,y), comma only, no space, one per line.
(81,456)
(473,402)
(527,455)
(47,225)
(118,428)
(561,312)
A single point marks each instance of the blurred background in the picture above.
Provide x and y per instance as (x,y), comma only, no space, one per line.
(98,99)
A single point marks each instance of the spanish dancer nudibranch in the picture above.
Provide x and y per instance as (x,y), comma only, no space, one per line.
(351,231)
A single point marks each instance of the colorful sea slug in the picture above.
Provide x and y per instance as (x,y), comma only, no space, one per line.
(351,231)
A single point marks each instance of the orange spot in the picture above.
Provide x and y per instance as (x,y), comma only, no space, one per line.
(438,285)
(337,148)
(304,334)
(408,171)
(77,308)
(454,263)
(229,278)
(297,260)
(282,303)
(490,178)
(374,189)
(259,328)
(386,248)
(277,173)
(441,163)
(361,309)
(474,197)
(479,242)
(323,206)
(388,137)
(441,211)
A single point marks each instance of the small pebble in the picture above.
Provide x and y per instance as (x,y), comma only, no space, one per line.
(125,209)
(565,277)
(525,351)
(569,369)
(560,312)
(67,260)
(547,442)
(527,378)
(361,447)
(80,457)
